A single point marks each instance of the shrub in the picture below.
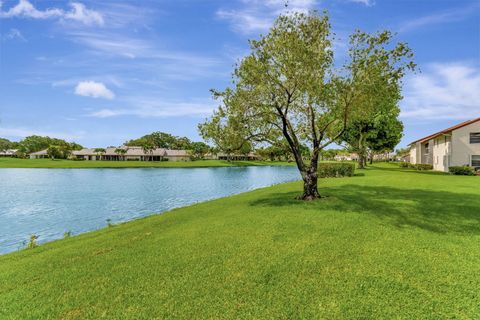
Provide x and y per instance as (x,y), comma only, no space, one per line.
(422,166)
(33,242)
(406,165)
(336,170)
(461,170)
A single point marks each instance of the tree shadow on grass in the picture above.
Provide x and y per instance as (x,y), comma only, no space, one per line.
(435,211)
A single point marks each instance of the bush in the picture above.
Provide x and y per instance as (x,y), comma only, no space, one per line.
(336,170)
(405,165)
(461,170)
(422,166)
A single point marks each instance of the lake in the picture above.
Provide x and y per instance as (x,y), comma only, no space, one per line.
(50,202)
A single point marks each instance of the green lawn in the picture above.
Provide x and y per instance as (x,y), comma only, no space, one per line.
(69,164)
(388,243)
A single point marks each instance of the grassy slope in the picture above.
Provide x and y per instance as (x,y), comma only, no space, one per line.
(390,244)
(68,164)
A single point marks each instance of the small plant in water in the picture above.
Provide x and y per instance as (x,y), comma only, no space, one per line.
(109,223)
(67,234)
(33,242)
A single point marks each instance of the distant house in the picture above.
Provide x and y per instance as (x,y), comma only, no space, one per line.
(455,146)
(132,153)
(8,153)
(346,157)
(177,155)
(237,157)
(116,154)
(39,154)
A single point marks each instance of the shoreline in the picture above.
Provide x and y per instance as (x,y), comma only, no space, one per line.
(15,163)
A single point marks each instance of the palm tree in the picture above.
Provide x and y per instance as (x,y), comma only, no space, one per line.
(99,152)
(121,151)
(148,149)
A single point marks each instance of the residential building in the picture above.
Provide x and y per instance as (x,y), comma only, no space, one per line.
(121,154)
(236,157)
(39,154)
(8,153)
(346,157)
(455,146)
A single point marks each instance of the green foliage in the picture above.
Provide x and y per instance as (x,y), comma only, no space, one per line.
(289,88)
(165,140)
(336,169)
(67,235)
(279,151)
(6,144)
(36,143)
(418,166)
(402,152)
(199,150)
(405,165)
(462,170)
(423,166)
(329,154)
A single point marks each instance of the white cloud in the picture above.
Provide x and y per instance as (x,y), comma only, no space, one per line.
(368,3)
(78,13)
(93,89)
(141,107)
(439,18)
(444,91)
(258,15)
(25,9)
(14,34)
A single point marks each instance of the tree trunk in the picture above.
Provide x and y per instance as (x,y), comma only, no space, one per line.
(310,189)
(371,158)
(361,160)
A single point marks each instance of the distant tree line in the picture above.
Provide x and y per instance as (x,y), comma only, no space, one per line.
(165,140)
(56,148)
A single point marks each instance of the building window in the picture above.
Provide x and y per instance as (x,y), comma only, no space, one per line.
(476,161)
(475,137)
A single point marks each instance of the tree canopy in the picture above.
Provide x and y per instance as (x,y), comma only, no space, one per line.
(36,143)
(288,88)
(165,140)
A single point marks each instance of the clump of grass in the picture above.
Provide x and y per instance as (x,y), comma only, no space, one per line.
(67,235)
(33,242)
(109,223)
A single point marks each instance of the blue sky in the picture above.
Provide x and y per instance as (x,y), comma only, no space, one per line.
(102,72)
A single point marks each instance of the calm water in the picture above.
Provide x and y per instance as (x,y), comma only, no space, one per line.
(49,202)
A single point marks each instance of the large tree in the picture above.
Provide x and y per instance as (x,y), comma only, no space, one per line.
(381,71)
(288,87)
(5,144)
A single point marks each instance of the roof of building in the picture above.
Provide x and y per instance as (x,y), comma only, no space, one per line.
(8,152)
(131,151)
(455,127)
(39,153)
(177,153)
